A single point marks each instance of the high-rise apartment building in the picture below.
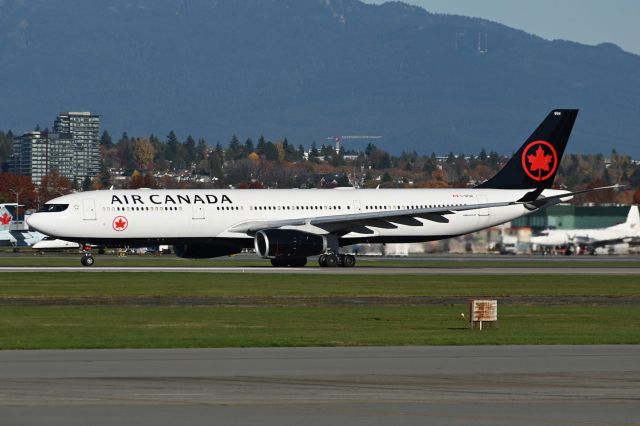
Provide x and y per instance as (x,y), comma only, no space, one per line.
(31,155)
(62,155)
(37,153)
(84,129)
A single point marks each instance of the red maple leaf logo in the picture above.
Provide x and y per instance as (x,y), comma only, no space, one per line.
(540,161)
(120,223)
(5,219)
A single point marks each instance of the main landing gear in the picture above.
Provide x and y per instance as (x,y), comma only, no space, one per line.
(331,260)
(87,258)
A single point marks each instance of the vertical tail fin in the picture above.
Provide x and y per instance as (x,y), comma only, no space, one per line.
(633,218)
(5,218)
(536,163)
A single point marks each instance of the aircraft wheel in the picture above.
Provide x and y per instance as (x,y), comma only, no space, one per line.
(322,260)
(349,261)
(87,260)
(331,260)
(298,262)
(278,263)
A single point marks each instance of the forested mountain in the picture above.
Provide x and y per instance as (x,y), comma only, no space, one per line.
(308,69)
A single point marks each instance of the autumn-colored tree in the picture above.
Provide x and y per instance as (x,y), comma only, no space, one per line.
(53,185)
(139,180)
(17,188)
(636,197)
(143,153)
(599,197)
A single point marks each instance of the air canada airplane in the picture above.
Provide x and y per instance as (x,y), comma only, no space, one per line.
(288,225)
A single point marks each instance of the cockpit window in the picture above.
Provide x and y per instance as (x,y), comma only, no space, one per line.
(53,208)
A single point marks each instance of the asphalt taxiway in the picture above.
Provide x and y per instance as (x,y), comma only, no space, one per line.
(477,385)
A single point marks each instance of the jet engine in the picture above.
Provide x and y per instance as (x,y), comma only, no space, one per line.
(288,243)
(205,251)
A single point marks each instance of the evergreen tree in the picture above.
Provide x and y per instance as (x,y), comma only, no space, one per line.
(290,151)
(105,140)
(160,153)
(494,160)
(172,147)
(262,146)
(430,165)
(202,150)
(234,151)
(248,146)
(384,162)
(313,152)
(105,177)
(370,149)
(271,152)
(190,151)
(216,162)
(175,152)
(86,183)
(124,152)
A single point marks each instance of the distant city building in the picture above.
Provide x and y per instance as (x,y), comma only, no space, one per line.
(62,154)
(73,149)
(37,153)
(84,129)
(31,156)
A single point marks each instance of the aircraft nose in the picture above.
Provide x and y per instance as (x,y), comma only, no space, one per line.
(36,222)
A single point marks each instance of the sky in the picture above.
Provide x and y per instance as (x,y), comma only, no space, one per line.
(584,21)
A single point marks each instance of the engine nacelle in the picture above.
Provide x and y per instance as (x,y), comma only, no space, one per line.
(204,251)
(288,243)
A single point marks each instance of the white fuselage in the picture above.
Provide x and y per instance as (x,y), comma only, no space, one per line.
(130,217)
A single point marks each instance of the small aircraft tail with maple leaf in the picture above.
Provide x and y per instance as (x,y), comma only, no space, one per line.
(5,217)
(536,163)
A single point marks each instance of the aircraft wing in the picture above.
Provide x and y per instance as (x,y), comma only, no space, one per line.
(355,221)
(592,242)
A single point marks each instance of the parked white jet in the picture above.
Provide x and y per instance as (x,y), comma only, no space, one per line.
(590,239)
(288,225)
(14,232)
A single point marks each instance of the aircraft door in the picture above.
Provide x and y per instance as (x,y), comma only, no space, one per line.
(88,209)
(197,211)
(357,206)
(482,199)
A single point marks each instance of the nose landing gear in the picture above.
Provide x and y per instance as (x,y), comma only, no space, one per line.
(87,258)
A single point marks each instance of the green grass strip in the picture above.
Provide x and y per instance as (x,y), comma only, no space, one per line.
(170,284)
(118,327)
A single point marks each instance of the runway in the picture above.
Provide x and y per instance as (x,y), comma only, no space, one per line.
(477,385)
(366,270)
